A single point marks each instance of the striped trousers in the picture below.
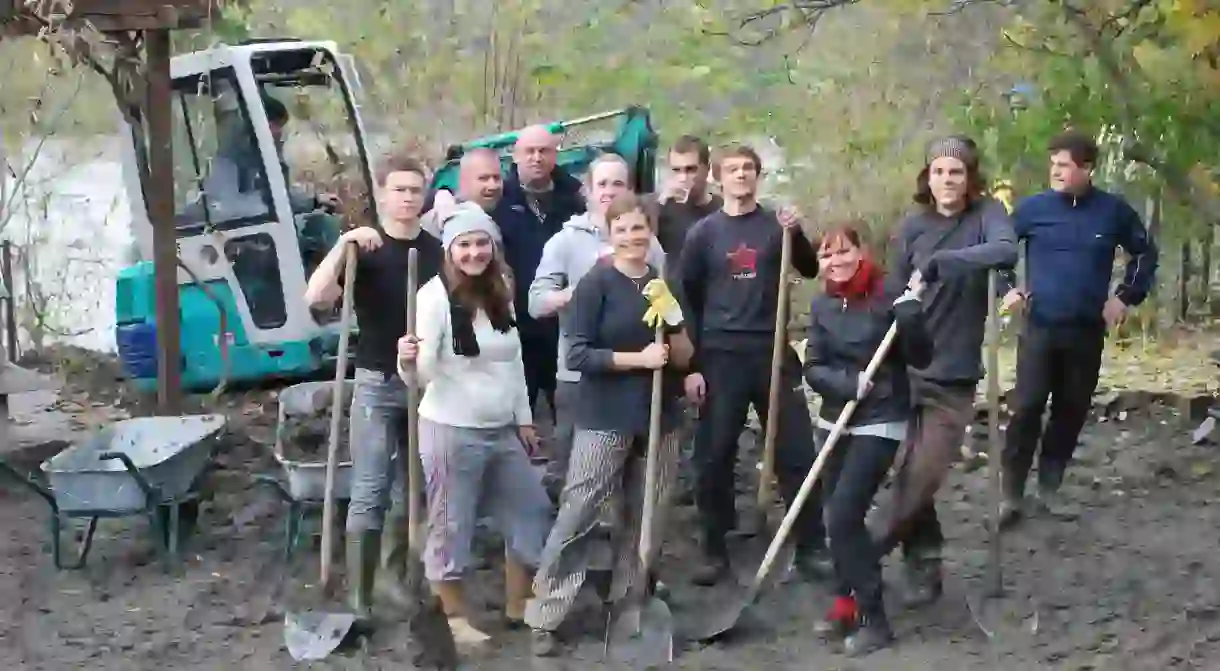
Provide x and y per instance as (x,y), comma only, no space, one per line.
(604,466)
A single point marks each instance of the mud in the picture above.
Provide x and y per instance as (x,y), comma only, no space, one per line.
(1130,585)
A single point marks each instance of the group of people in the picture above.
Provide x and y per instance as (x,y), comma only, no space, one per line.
(540,284)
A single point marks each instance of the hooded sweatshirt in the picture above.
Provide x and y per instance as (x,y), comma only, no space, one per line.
(566,258)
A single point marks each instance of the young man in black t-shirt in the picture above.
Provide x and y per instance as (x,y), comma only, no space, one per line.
(379,402)
(729,274)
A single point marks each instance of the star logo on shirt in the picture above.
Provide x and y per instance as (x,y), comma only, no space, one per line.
(743,262)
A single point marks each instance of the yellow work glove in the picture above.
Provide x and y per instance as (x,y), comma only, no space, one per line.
(1003,193)
(662,306)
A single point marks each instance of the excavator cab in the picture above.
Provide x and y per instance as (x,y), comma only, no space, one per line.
(584,139)
(267,139)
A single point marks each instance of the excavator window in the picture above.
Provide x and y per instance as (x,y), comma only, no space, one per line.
(219,178)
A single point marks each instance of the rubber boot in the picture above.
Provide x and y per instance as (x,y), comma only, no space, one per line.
(923,577)
(363,553)
(1012,507)
(453,601)
(518,588)
(391,583)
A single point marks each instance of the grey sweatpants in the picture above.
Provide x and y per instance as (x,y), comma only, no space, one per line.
(604,465)
(472,472)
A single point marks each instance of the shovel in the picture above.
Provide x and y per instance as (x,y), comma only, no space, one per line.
(640,632)
(994,581)
(430,636)
(757,520)
(726,619)
(314,635)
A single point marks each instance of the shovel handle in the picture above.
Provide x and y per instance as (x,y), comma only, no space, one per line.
(995,575)
(807,486)
(652,460)
(778,345)
(336,411)
(412,465)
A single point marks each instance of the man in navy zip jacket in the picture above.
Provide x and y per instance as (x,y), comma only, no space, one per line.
(1070,232)
(538,199)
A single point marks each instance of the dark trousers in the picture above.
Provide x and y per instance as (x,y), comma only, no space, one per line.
(1061,364)
(736,380)
(933,445)
(853,473)
(539,356)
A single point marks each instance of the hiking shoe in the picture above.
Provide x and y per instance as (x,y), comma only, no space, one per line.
(874,634)
(711,570)
(841,620)
(814,563)
(1052,503)
(544,643)
(923,580)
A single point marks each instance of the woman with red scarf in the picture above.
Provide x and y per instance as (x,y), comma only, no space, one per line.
(848,322)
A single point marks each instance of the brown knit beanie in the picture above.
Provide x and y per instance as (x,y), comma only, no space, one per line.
(956,147)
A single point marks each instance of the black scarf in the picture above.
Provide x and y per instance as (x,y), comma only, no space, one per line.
(464,341)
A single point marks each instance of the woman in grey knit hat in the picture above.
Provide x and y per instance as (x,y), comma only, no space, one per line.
(955,238)
(476,430)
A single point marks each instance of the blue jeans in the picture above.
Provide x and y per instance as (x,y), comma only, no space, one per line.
(378,427)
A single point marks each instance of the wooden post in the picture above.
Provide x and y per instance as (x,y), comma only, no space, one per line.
(160,200)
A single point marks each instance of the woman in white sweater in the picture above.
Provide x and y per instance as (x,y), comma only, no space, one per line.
(476,430)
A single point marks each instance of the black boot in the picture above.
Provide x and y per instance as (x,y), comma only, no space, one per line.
(814,562)
(922,569)
(873,634)
(714,565)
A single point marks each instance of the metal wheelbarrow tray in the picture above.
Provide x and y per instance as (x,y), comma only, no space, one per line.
(146,465)
(303,485)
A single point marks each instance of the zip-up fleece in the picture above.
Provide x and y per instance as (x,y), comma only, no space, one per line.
(1070,245)
(567,257)
(843,337)
(955,254)
(526,233)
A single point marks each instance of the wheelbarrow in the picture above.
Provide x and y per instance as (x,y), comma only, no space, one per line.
(145,466)
(303,482)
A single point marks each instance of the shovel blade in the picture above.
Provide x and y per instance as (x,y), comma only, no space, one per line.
(720,620)
(314,635)
(642,637)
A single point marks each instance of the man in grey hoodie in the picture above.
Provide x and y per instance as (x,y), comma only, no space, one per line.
(567,256)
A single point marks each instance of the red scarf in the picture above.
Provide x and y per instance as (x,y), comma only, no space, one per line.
(861,285)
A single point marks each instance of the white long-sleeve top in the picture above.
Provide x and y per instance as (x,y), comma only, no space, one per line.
(481,392)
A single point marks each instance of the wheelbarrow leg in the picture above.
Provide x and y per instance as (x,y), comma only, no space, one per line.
(82,549)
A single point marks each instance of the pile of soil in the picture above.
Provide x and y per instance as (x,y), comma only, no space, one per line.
(306,437)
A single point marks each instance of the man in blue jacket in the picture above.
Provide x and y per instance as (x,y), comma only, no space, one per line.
(538,199)
(1071,232)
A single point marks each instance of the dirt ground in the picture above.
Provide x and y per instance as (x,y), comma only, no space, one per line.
(1131,585)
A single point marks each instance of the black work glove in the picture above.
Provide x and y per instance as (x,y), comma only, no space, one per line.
(929,269)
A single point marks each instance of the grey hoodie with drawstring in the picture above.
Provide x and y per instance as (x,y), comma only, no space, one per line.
(567,256)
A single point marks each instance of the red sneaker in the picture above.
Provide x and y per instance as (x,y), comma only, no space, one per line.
(841,620)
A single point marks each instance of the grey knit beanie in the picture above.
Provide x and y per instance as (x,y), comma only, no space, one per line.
(467,217)
(954,146)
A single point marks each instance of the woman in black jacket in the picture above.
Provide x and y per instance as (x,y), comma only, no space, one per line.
(848,323)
